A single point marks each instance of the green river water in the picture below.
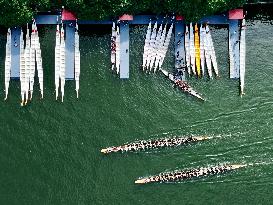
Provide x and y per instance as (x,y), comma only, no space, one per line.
(50,151)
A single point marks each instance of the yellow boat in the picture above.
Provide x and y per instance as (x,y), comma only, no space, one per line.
(197,50)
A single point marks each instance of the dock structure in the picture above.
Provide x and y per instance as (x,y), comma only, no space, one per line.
(15,53)
(180,56)
(124,46)
(234,38)
(232,19)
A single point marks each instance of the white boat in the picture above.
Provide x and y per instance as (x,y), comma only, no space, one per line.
(39,61)
(23,81)
(77,61)
(146,45)
(27,57)
(57,61)
(118,50)
(242,56)
(183,85)
(166,46)
(192,49)
(202,48)
(32,59)
(8,63)
(160,52)
(187,50)
(62,62)
(208,55)
(113,46)
(213,55)
(151,45)
(155,48)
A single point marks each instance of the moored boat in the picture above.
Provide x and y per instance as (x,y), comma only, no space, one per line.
(154,144)
(146,45)
(57,61)
(181,175)
(197,50)
(187,50)
(113,46)
(77,61)
(7,63)
(192,49)
(242,56)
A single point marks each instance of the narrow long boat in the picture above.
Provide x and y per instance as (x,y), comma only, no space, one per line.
(57,60)
(32,58)
(187,49)
(62,62)
(39,62)
(22,69)
(213,55)
(181,175)
(151,45)
(192,49)
(242,56)
(208,53)
(27,57)
(197,50)
(183,85)
(146,46)
(231,56)
(118,50)
(155,48)
(166,46)
(77,61)
(160,52)
(7,63)
(202,49)
(154,144)
(113,46)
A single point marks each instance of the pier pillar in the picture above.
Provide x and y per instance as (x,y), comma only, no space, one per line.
(234,41)
(124,50)
(15,52)
(180,61)
(124,45)
(69,49)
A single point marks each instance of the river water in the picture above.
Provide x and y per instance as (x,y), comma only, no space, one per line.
(50,151)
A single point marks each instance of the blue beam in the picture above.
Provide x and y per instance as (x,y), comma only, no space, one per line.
(15,52)
(180,62)
(124,50)
(48,19)
(69,50)
(234,31)
(216,19)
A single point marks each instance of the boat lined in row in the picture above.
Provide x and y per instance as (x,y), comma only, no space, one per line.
(154,144)
(242,56)
(181,175)
(199,50)
(156,45)
(7,63)
(183,85)
(77,60)
(113,46)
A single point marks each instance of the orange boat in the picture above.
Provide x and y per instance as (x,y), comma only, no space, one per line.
(197,50)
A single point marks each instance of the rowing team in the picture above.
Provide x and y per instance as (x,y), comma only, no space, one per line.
(182,175)
(152,144)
